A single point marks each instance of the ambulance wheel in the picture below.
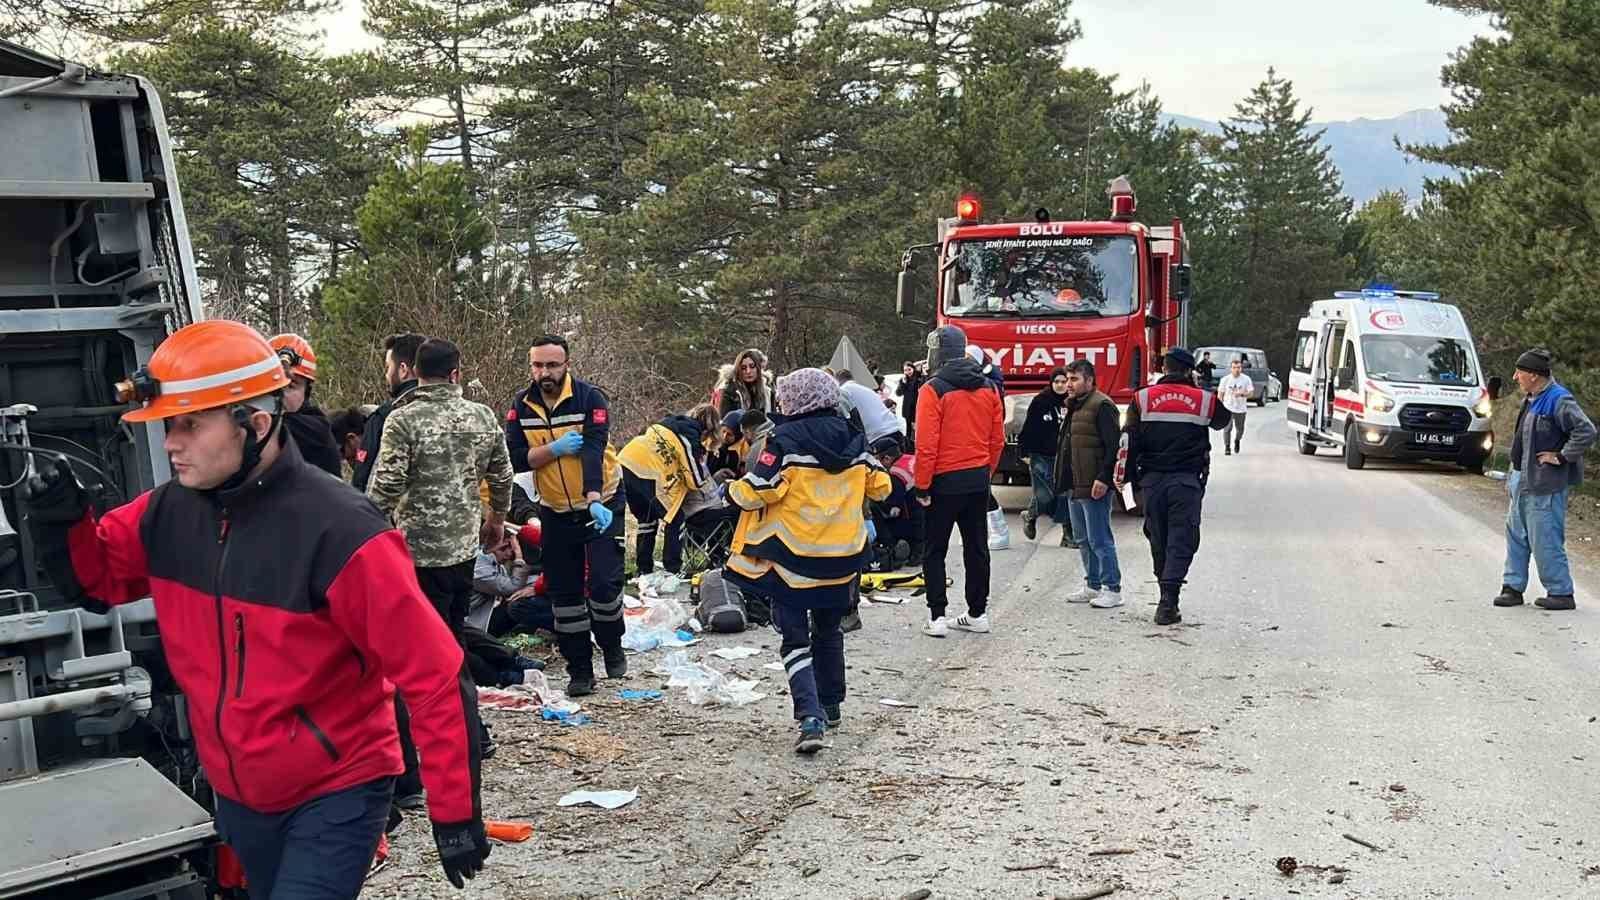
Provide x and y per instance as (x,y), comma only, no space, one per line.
(1353,457)
(1306,447)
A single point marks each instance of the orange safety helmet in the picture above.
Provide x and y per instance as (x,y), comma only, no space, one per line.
(297,355)
(206,365)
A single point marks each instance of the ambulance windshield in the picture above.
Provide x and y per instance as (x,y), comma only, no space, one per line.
(1042,277)
(1418,359)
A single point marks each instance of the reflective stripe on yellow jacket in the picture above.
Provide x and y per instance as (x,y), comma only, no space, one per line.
(802,504)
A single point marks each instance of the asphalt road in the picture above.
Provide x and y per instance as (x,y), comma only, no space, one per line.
(1339,672)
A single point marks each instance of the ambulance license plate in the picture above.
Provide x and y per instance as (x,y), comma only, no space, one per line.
(1434,439)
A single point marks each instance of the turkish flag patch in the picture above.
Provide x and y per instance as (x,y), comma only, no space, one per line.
(766,458)
(599,417)
(511,414)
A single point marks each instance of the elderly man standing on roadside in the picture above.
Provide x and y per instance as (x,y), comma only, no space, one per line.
(1547,449)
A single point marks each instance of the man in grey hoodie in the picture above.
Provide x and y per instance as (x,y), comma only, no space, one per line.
(1547,449)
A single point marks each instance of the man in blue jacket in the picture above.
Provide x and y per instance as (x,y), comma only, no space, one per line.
(1547,449)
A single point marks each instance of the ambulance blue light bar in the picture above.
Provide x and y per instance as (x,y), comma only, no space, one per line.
(1384,292)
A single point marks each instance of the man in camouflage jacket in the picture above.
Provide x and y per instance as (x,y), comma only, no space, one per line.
(437,448)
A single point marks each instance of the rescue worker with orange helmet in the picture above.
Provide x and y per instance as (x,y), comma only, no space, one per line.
(308,426)
(289,616)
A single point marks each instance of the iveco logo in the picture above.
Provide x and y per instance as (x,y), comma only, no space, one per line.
(1036,329)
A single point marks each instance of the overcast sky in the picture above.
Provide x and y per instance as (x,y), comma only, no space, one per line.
(1349,59)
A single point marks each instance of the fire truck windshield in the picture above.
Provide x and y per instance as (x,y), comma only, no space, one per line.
(1041,277)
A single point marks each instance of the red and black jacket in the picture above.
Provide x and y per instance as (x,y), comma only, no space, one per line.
(289,613)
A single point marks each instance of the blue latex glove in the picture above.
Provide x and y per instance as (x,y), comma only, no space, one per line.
(872,532)
(601,515)
(567,444)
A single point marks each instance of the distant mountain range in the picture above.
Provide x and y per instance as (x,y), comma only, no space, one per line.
(1365,153)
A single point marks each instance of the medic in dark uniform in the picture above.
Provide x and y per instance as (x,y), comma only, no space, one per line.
(1169,457)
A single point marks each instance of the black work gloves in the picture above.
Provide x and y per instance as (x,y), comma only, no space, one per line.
(462,849)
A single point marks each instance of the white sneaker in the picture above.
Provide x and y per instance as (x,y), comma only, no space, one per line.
(1107,600)
(939,627)
(999,531)
(1082,595)
(979,625)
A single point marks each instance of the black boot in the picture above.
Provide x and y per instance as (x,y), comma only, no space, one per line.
(1167,610)
(577,650)
(1556,602)
(1509,596)
(616,662)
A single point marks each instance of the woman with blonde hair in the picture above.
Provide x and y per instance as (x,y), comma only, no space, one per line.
(745,385)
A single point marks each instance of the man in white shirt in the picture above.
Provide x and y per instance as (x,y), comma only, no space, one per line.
(1235,389)
(877,419)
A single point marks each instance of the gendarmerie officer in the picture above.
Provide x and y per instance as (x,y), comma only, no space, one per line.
(1169,457)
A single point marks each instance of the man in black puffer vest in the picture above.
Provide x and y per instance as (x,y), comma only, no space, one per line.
(1169,457)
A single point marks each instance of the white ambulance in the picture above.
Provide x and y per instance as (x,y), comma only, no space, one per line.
(1390,374)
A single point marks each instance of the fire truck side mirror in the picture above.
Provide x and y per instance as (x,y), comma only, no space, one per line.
(905,291)
(1182,284)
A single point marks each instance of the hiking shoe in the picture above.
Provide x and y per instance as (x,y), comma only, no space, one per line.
(616,662)
(1556,602)
(1227,450)
(937,627)
(831,710)
(1168,615)
(974,624)
(1066,538)
(1082,595)
(811,732)
(580,687)
(851,622)
(1107,599)
(1509,596)
(1030,525)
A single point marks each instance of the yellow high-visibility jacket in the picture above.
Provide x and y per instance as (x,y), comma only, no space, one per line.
(802,527)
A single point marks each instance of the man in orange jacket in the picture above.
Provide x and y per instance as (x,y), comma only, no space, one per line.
(960,433)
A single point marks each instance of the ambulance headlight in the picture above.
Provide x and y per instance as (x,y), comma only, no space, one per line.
(1483,407)
(1378,401)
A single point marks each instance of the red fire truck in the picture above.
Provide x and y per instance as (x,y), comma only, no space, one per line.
(1037,295)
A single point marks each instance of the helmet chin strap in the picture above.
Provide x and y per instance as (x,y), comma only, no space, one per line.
(252,446)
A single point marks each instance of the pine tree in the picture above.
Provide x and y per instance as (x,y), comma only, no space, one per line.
(1276,245)
(1522,215)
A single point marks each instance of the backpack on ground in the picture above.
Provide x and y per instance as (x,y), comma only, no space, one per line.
(723,607)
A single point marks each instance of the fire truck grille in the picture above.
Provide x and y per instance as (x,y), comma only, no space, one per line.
(1428,417)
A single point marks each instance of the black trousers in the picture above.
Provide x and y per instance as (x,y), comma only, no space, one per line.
(650,514)
(320,850)
(1172,523)
(968,512)
(584,604)
(449,589)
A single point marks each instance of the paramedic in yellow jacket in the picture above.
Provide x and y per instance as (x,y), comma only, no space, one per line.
(558,428)
(660,469)
(802,539)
